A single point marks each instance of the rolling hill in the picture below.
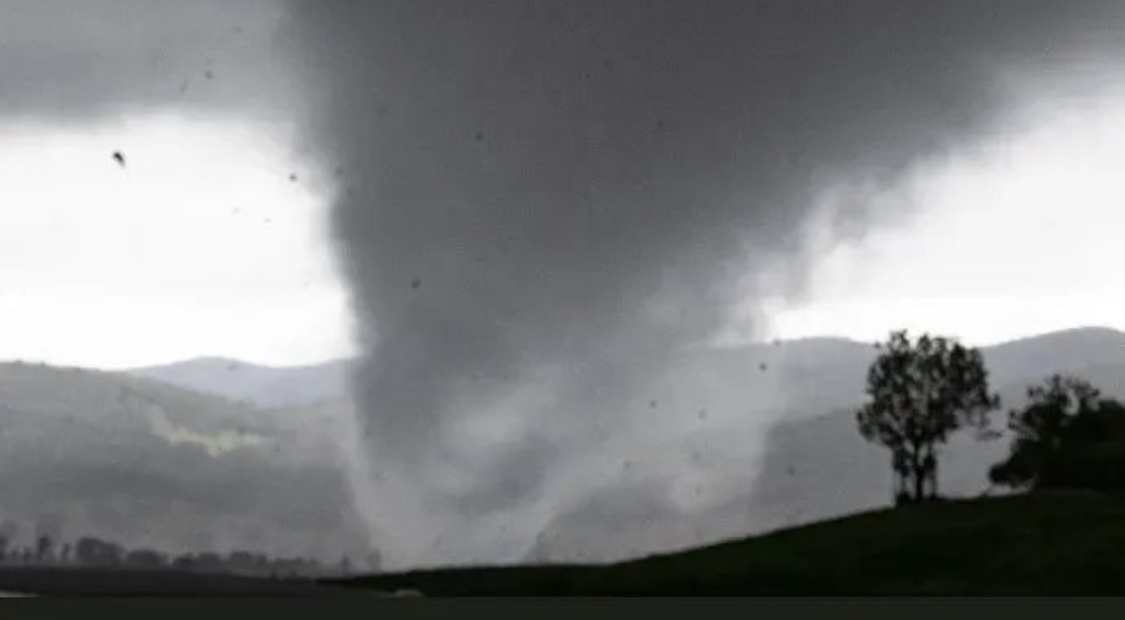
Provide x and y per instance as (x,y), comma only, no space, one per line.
(1037,544)
(264,386)
(146,464)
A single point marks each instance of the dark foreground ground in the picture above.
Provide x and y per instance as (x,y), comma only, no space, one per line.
(1057,543)
(1040,544)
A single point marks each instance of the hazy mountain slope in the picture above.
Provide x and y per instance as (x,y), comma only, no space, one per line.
(790,378)
(1057,351)
(260,385)
(812,467)
(143,463)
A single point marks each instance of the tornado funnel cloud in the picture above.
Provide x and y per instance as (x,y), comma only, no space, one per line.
(545,202)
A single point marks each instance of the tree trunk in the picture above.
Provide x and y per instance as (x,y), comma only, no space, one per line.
(931,470)
(918,473)
(900,466)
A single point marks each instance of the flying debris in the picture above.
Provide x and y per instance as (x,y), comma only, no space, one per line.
(293,178)
(416,283)
(762,367)
(119,158)
(207,74)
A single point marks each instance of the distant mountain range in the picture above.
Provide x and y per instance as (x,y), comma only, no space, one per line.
(212,453)
(264,386)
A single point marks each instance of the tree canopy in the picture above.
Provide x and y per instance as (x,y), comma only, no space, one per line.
(1066,435)
(919,392)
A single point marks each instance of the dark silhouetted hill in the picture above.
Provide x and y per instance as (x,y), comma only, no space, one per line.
(1038,544)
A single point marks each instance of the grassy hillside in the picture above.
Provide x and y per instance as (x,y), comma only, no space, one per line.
(1057,543)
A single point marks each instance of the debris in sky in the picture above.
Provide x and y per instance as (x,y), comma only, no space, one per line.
(762,367)
(702,414)
(478,136)
(293,178)
(416,283)
(652,404)
(207,74)
(184,86)
(119,158)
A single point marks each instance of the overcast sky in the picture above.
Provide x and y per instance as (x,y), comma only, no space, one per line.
(201,244)
(1019,236)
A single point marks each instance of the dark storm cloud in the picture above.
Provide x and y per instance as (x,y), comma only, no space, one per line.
(80,59)
(566,192)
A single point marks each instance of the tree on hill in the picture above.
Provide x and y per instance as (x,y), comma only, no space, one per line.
(90,551)
(1067,436)
(43,547)
(919,392)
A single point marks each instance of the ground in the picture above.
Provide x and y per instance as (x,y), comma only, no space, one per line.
(1042,543)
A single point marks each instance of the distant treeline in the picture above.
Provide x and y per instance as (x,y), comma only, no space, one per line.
(93,552)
